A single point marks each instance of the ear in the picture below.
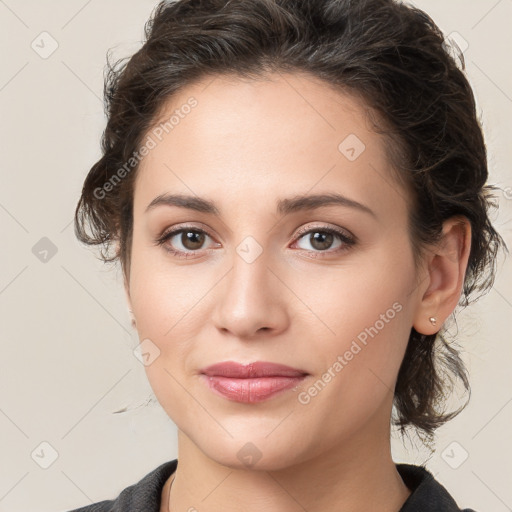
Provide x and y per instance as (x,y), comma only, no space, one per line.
(446,265)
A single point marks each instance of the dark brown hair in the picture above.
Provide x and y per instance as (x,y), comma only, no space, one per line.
(392,56)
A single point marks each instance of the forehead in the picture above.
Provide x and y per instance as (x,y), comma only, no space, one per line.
(247,140)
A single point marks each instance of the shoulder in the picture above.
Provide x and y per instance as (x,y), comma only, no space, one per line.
(143,496)
(428,495)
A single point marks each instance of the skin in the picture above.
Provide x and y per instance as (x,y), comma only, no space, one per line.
(246,145)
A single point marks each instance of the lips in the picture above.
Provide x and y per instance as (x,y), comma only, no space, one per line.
(254,382)
(251,370)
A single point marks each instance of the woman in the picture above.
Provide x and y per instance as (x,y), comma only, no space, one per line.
(296,192)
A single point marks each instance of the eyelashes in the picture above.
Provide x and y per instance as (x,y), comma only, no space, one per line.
(182,230)
(200,235)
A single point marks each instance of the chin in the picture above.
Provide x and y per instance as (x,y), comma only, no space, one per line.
(258,453)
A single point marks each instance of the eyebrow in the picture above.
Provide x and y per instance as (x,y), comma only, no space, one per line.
(284,206)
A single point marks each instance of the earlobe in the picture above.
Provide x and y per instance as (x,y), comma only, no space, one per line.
(446,266)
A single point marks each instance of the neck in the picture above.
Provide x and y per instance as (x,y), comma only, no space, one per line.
(357,475)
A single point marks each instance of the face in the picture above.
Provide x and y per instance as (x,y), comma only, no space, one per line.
(246,271)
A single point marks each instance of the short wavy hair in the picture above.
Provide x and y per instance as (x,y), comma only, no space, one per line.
(390,55)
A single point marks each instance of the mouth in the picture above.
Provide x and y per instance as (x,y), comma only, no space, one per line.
(253,382)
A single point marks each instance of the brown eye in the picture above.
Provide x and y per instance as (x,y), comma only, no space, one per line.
(192,240)
(323,238)
(184,242)
(320,240)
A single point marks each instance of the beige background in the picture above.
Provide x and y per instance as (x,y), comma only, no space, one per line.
(66,342)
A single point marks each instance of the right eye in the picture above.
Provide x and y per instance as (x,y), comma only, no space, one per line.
(183,241)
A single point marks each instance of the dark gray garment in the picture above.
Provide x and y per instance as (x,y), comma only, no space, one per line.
(428,495)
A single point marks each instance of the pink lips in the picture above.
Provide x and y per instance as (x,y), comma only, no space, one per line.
(253,382)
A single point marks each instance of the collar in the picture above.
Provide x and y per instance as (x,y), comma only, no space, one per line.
(428,495)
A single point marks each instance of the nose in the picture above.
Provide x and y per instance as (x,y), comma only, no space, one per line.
(251,299)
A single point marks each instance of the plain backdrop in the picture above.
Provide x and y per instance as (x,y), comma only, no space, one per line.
(67,364)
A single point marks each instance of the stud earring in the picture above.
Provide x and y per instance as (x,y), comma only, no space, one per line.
(433,320)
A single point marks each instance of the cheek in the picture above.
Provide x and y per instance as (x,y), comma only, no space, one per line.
(164,293)
(162,299)
(368,290)
(166,305)
(365,317)
(358,363)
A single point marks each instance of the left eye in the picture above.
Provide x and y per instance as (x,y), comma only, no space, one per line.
(321,239)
